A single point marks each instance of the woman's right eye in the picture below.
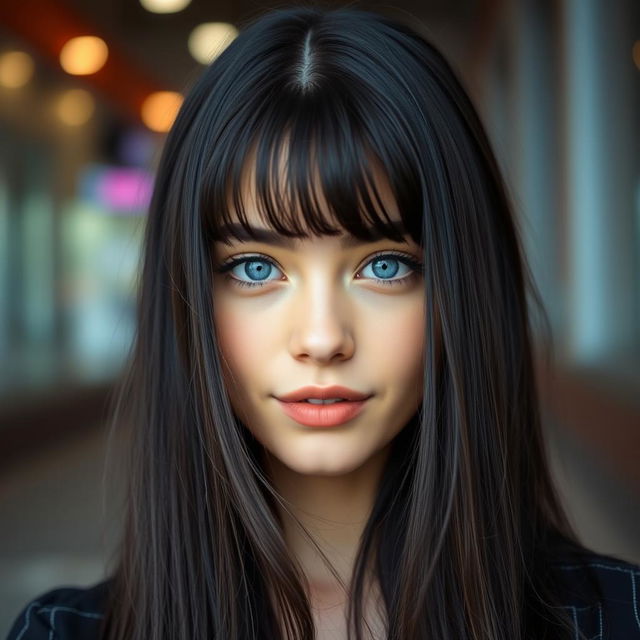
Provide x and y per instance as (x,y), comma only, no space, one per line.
(257,269)
(261,267)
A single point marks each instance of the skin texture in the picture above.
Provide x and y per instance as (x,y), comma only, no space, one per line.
(322,319)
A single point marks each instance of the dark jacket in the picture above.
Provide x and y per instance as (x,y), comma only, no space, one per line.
(600,592)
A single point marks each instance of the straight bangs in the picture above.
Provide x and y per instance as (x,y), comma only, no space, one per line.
(314,166)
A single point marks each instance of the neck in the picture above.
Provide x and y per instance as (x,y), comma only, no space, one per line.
(333,509)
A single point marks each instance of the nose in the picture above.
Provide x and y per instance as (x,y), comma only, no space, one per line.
(321,330)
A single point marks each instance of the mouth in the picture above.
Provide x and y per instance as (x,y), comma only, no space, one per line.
(325,395)
(323,415)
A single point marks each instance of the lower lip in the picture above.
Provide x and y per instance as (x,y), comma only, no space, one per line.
(322,415)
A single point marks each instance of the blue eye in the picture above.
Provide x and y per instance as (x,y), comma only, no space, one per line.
(384,267)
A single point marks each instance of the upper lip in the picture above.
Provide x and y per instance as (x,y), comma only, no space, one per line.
(323,393)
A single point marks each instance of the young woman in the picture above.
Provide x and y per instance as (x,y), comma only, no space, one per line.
(335,423)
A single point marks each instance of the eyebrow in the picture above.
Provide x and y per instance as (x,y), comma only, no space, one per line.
(268,236)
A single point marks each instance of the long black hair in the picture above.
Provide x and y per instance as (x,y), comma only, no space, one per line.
(463,527)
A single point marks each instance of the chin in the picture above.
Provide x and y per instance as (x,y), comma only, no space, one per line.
(328,467)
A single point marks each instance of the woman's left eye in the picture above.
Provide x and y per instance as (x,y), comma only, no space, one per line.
(386,268)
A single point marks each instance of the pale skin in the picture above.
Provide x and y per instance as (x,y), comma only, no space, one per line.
(321,318)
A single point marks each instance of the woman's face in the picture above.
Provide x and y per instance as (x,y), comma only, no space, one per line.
(310,312)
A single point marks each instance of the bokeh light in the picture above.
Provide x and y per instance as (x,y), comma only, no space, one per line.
(84,55)
(165,6)
(209,40)
(75,107)
(16,69)
(160,109)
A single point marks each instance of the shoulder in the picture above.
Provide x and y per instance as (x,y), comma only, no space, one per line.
(62,614)
(601,594)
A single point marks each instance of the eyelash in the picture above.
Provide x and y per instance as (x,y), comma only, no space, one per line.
(408,260)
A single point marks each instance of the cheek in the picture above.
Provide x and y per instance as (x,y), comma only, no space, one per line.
(231,329)
(407,338)
(241,337)
(400,349)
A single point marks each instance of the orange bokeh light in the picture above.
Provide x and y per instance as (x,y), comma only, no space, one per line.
(159,110)
(84,55)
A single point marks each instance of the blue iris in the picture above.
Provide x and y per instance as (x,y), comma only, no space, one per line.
(258,269)
(385,271)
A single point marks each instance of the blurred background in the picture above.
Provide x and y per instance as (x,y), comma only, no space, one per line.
(88,90)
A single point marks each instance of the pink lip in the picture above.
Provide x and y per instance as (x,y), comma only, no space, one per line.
(319,415)
(322,393)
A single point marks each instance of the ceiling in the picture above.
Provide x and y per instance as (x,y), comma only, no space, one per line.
(148,52)
(157,43)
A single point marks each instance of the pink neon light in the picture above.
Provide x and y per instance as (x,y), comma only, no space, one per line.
(124,189)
